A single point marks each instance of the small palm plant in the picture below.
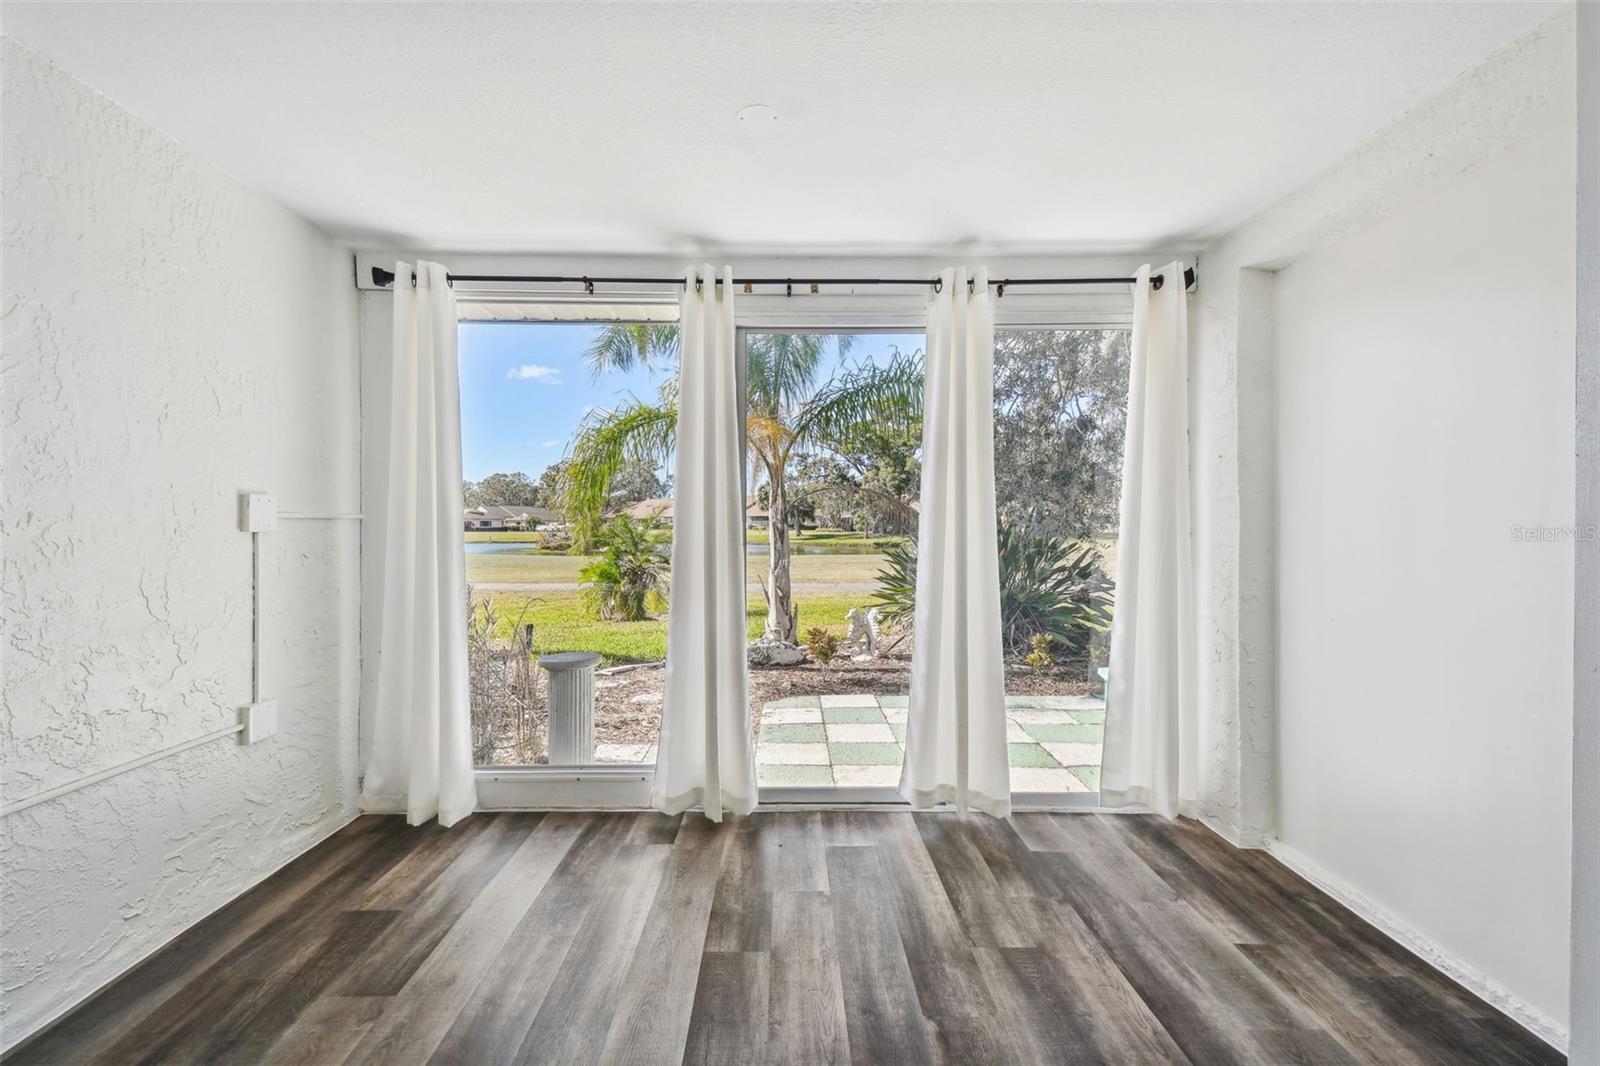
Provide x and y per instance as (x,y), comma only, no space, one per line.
(629,580)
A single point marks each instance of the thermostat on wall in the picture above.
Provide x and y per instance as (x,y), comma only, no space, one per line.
(258,512)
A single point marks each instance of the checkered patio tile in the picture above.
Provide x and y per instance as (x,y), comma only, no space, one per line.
(857,740)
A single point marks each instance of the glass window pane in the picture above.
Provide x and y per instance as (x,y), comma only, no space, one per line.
(1060,410)
(555,571)
(834,453)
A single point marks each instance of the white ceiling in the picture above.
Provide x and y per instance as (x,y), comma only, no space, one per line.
(614,128)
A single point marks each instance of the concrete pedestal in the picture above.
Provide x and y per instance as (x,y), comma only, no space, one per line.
(571,702)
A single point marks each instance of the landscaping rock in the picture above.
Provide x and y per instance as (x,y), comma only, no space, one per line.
(775,653)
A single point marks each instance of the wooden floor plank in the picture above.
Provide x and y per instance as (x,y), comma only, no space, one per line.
(423,1011)
(575,1017)
(882,1013)
(395,957)
(656,997)
(729,1024)
(496,1017)
(805,1002)
(793,937)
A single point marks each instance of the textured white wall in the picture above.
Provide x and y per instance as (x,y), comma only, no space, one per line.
(1369,436)
(1485,112)
(169,339)
(1425,647)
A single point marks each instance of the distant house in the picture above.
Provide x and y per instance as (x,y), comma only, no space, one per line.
(498,517)
(661,509)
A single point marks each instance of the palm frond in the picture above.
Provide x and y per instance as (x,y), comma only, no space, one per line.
(625,345)
(781,368)
(888,395)
(605,440)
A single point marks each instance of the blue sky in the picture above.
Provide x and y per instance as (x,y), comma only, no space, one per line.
(525,388)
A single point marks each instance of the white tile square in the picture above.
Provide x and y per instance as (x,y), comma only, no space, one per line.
(867,732)
(866,776)
(1045,779)
(630,754)
(1015,734)
(897,715)
(1072,753)
(792,754)
(850,701)
(792,716)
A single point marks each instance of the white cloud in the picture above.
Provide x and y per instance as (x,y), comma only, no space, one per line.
(549,375)
(552,444)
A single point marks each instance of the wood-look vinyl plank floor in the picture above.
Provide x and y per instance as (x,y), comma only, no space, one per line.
(808,938)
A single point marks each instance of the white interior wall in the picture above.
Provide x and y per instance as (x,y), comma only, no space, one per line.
(1384,387)
(170,339)
(1424,383)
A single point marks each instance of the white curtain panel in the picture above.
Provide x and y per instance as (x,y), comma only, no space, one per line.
(706,756)
(421,754)
(956,724)
(1152,713)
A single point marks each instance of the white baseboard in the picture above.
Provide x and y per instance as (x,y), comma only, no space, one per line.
(1473,980)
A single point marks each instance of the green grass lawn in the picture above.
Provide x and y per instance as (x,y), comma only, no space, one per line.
(513,568)
(524,567)
(560,623)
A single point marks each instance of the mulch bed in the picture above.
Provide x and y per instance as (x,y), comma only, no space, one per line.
(628,700)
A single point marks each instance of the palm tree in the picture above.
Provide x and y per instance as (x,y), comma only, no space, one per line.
(787,413)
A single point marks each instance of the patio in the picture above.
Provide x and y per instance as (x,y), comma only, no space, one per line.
(858,740)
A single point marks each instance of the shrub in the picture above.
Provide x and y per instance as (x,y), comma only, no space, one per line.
(1050,588)
(1039,657)
(630,577)
(503,685)
(822,644)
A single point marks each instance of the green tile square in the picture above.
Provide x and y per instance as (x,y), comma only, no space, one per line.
(860,753)
(1029,755)
(793,734)
(852,715)
(789,702)
(1089,775)
(899,731)
(794,776)
(894,701)
(1081,734)
(1089,716)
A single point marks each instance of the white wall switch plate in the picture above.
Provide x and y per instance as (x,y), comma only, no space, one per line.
(260,721)
(258,512)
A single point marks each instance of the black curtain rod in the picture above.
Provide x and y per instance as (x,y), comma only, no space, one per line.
(382,277)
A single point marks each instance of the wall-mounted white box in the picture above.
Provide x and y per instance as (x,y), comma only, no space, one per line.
(258,512)
(260,721)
